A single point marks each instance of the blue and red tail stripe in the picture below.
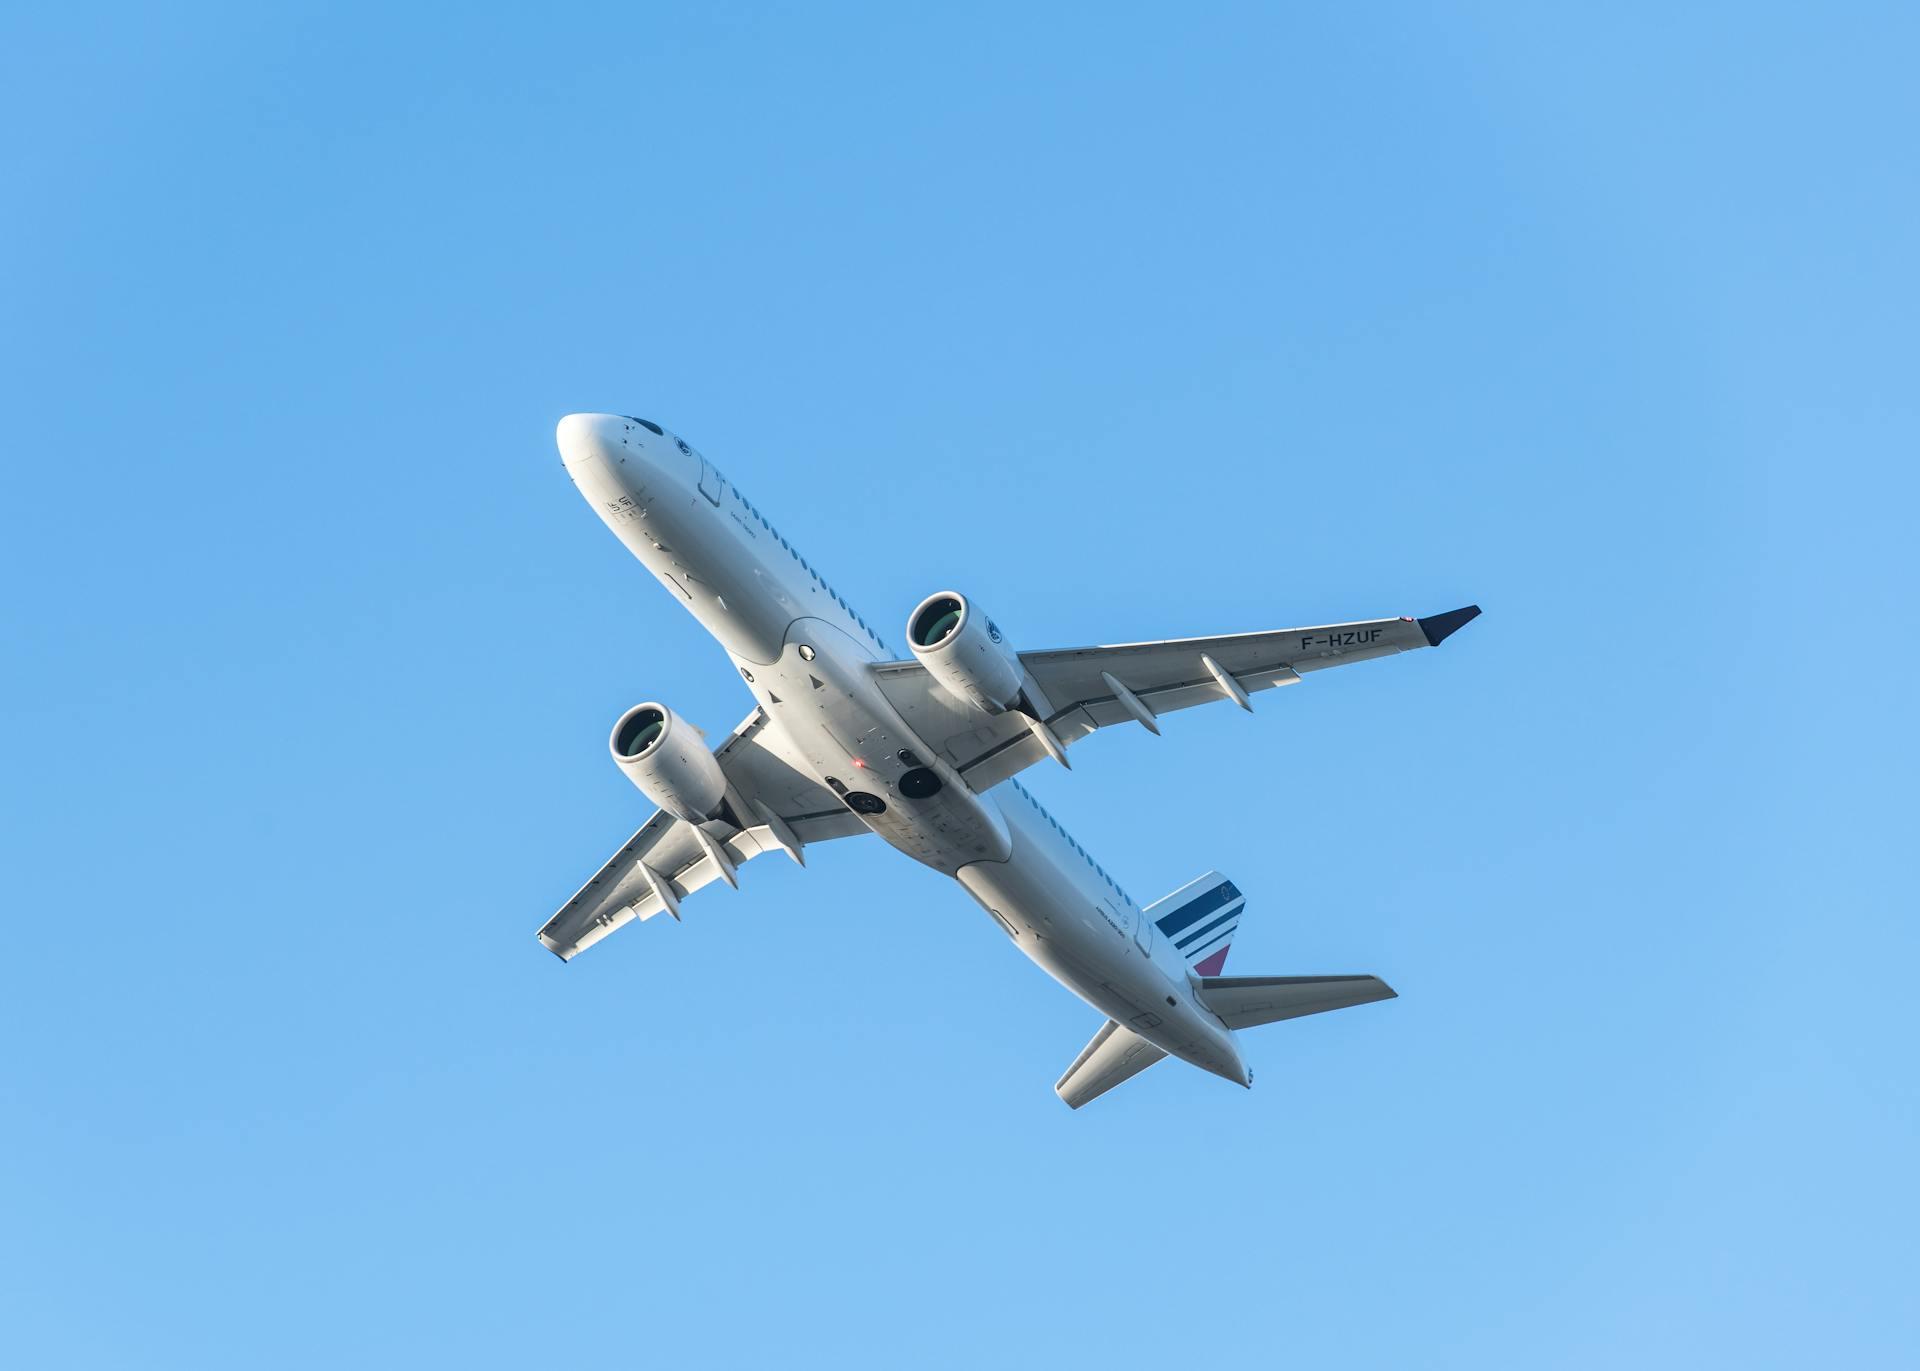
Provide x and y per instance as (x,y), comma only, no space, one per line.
(1200,921)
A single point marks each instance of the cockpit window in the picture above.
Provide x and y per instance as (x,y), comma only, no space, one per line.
(647,424)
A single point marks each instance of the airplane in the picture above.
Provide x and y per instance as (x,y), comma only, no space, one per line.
(845,738)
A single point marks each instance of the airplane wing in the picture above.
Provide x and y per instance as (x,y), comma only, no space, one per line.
(1089,688)
(780,807)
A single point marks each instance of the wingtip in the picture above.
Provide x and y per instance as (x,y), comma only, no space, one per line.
(1440,627)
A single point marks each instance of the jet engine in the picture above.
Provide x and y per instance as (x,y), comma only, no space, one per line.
(666,757)
(964,651)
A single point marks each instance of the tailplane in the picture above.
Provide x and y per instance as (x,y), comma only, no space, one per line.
(1248,1001)
(1200,919)
(1115,1055)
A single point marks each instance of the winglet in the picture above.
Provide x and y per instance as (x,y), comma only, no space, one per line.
(1440,627)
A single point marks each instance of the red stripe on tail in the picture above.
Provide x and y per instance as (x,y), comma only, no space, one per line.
(1211,966)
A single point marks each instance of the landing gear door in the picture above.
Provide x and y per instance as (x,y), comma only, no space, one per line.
(711,482)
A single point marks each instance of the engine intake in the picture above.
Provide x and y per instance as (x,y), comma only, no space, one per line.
(668,760)
(964,651)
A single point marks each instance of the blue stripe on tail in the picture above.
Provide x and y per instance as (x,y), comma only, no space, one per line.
(1197,908)
(1200,918)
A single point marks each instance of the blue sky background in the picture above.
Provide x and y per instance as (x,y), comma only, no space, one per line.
(1132,324)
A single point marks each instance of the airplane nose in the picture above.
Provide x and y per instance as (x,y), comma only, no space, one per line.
(584,438)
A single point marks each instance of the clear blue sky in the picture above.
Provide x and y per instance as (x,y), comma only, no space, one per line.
(1132,324)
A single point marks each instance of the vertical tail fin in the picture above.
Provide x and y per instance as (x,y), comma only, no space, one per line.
(1199,919)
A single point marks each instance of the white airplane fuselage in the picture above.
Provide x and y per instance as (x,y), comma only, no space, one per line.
(808,659)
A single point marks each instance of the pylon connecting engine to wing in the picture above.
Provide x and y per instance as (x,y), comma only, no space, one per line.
(965,652)
(971,659)
(667,758)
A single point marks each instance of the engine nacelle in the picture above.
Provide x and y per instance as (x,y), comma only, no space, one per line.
(667,758)
(964,651)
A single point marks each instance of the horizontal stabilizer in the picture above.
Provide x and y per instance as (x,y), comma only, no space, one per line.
(1115,1055)
(1247,1001)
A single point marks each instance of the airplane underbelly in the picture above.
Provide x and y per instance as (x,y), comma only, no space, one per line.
(1053,922)
(822,695)
(1058,922)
